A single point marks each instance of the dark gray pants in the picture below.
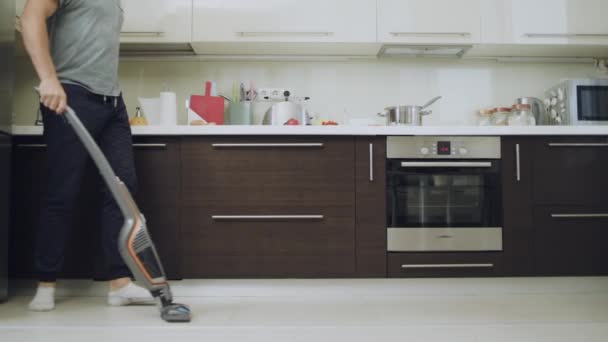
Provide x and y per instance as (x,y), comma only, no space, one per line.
(107,120)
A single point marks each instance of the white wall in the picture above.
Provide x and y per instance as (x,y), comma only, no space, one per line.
(359,88)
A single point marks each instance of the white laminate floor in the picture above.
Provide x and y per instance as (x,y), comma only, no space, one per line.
(522,309)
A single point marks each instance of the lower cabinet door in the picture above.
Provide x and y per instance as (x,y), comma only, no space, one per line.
(570,241)
(430,265)
(307,242)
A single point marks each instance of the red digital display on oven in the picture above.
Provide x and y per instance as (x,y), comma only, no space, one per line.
(444,148)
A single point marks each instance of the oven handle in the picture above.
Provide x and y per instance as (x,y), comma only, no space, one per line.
(447,164)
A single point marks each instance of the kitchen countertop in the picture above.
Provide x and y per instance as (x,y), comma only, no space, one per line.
(348,130)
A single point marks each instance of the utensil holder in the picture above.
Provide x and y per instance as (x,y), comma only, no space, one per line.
(240,113)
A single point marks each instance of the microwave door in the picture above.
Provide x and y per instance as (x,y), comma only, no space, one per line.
(592,104)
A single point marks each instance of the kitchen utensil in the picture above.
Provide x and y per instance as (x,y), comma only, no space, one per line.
(407,115)
(210,108)
(431,102)
(242,96)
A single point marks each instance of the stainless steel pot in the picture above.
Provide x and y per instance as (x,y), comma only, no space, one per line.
(407,115)
(281,112)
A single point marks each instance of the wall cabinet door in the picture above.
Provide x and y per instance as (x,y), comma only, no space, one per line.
(558,21)
(284,21)
(429,21)
(157,21)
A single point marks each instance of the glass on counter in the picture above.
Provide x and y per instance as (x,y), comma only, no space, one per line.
(484,117)
(500,117)
(522,115)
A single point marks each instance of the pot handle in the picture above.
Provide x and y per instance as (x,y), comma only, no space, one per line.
(383,114)
(426,112)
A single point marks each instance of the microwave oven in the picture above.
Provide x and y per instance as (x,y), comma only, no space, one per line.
(577,102)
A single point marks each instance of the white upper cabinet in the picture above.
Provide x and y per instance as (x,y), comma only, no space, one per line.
(347,21)
(429,21)
(157,21)
(548,22)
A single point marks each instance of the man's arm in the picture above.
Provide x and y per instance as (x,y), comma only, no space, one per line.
(36,41)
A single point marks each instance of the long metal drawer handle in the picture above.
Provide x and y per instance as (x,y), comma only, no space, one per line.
(266,217)
(566,35)
(579,215)
(518,162)
(422,266)
(578,144)
(371,162)
(446,164)
(431,34)
(246,34)
(150,145)
(287,145)
(32,145)
(142,34)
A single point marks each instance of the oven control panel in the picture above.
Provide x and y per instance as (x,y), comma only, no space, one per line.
(443,148)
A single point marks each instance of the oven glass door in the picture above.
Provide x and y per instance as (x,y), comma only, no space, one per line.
(592,103)
(443,194)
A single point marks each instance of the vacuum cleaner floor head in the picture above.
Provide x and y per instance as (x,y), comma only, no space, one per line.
(176,313)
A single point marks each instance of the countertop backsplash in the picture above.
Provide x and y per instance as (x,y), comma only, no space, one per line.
(339,90)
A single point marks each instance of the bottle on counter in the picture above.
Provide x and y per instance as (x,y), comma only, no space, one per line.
(522,115)
(500,117)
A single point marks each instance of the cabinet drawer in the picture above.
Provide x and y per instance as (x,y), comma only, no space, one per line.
(570,241)
(268,171)
(571,171)
(421,265)
(310,242)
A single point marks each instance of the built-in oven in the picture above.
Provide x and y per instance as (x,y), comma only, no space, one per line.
(444,194)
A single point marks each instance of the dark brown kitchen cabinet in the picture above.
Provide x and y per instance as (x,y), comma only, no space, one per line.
(570,241)
(517,159)
(571,170)
(370,168)
(158,170)
(554,207)
(268,207)
(28,192)
(157,163)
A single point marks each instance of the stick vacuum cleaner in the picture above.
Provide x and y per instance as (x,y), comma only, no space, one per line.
(135,245)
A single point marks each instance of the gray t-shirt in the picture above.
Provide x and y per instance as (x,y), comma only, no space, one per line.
(85,42)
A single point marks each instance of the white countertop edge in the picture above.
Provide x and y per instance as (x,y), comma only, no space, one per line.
(348,130)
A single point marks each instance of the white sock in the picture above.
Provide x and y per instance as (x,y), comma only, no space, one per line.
(44,300)
(130,294)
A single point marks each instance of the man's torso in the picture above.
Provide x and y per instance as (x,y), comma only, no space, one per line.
(85,41)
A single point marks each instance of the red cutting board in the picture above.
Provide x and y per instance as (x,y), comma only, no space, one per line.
(209,108)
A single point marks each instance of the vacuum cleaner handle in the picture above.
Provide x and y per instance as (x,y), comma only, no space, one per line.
(123,198)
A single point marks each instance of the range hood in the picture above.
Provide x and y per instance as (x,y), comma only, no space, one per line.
(445,51)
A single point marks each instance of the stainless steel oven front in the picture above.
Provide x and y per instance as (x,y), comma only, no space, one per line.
(444,194)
